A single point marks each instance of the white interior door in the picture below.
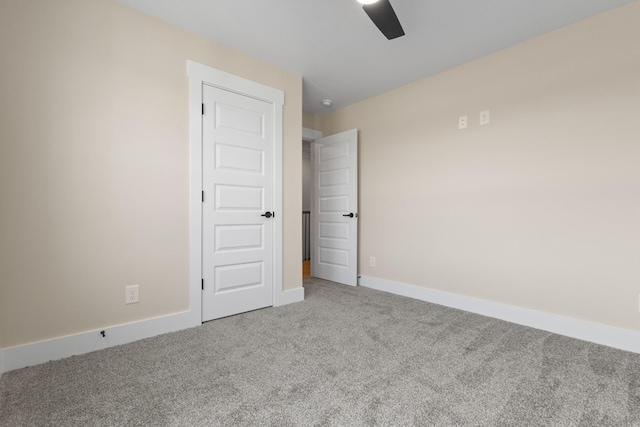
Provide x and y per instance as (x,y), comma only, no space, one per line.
(238,200)
(335,208)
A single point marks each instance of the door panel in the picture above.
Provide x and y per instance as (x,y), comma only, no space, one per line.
(335,236)
(237,276)
(237,253)
(333,205)
(334,177)
(238,237)
(334,230)
(238,198)
(230,158)
(237,118)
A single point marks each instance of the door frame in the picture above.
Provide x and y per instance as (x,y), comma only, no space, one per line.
(200,74)
(309,136)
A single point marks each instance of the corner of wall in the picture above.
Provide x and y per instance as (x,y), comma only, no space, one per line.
(311,121)
(289,297)
(1,363)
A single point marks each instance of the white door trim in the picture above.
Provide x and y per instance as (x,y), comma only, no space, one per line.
(198,75)
(310,135)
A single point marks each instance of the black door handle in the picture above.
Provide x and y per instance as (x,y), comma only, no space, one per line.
(350,215)
(268,214)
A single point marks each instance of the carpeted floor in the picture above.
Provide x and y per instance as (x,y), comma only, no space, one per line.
(343,357)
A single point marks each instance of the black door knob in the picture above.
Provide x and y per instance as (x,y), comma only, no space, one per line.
(350,215)
(267,214)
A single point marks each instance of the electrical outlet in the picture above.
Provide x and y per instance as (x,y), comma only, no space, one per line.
(484,117)
(372,261)
(462,122)
(132,294)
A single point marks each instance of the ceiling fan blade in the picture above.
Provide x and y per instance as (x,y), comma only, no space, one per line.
(383,15)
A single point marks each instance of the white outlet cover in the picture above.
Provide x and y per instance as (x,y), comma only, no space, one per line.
(484,117)
(132,294)
(462,122)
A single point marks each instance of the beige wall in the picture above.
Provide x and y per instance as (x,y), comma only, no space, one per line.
(311,121)
(540,208)
(94,164)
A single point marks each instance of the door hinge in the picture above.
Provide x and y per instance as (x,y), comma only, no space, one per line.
(203,284)
(203,196)
(203,109)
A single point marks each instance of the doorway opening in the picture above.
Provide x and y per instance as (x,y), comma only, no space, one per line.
(307,195)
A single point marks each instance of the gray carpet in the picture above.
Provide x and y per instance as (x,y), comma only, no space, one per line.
(343,357)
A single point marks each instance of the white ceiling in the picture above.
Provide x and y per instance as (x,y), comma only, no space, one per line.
(341,55)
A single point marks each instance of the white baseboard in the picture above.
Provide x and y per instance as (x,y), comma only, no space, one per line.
(290,296)
(43,351)
(622,339)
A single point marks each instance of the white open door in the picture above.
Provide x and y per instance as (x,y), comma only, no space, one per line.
(335,208)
